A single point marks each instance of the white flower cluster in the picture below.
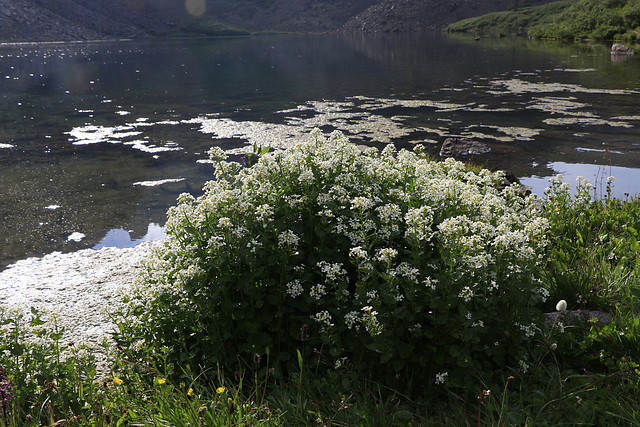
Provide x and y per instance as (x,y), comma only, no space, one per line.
(466,294)
(524,366)
(358,253)
(294,288)
(264,213)
(324,319)
(407,271)
(317,291)
(288,239)
(441,377)
(361,203)
(253,245)
(340,363)
(529,330)
(409,229)
(225,222)
(352,320)
(419,222)
(306,177)
(430,283)
(370,321)
(333,272)
(386,255)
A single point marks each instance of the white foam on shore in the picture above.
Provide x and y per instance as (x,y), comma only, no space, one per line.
(76,237)
(159,182)
(78,287)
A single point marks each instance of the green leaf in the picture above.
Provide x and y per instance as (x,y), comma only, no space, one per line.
(56,336)
(402,417)
(398,364)
(300,364)
(36,321)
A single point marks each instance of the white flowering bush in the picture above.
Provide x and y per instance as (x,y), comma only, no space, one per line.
(386,263)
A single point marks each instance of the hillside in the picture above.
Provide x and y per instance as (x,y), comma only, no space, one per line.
(565,19)
(323,15)
(594,19)
(255,15)
(53,20)
(419,15)
(514,21)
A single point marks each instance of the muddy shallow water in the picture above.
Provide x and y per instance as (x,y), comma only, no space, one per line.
(98,139)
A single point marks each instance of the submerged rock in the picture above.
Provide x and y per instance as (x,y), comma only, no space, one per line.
(454,147)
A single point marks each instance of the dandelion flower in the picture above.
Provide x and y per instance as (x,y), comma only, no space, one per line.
(561,306)
(117,381)
(220,390)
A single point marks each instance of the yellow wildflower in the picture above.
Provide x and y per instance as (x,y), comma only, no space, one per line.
(220,390)
(190,392)
(117,381)
(162,381)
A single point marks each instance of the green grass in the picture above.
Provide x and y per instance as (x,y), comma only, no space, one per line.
(581,374)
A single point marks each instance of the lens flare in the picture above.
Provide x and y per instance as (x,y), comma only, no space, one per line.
(196,7)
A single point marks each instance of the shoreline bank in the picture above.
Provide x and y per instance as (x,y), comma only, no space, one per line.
(77,288)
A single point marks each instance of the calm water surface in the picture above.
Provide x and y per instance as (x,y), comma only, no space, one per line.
(98,139)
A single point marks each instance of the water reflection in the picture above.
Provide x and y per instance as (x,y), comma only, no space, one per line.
(121,238)
(625,179)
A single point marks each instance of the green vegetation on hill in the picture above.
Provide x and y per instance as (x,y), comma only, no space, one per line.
(567,19)
(596,19)
(514,21)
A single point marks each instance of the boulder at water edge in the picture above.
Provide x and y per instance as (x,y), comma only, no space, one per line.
(620,49)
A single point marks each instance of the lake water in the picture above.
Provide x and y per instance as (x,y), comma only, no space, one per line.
(98,139)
